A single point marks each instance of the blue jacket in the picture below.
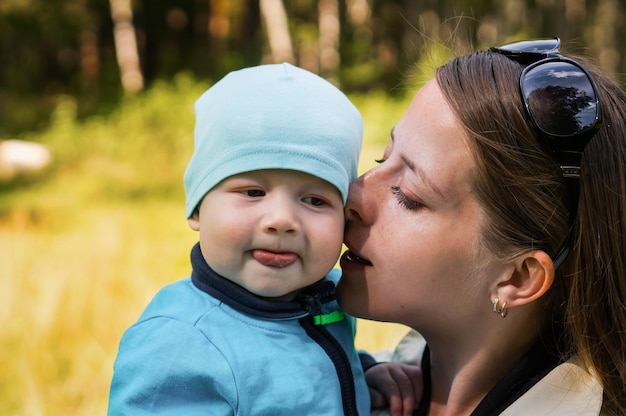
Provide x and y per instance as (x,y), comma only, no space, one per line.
(206,346)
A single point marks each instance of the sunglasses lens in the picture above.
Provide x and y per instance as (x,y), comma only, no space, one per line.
(560,97)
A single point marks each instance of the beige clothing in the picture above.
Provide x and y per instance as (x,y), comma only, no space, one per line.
(568,390)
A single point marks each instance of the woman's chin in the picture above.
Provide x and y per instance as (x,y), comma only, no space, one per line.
(351,299)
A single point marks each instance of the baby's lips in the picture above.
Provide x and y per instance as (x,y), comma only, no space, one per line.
(272,259)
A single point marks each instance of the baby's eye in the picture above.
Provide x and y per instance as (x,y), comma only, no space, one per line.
(315,201)
(254,193)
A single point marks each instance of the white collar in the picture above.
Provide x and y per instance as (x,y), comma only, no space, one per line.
(567,390)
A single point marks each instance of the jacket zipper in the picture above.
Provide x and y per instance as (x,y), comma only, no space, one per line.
(338,356)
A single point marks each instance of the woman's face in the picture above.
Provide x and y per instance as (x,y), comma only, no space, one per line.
(413,230)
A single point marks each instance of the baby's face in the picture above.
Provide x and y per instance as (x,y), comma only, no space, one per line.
(271,231)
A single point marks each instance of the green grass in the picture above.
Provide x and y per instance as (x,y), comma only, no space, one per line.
(86,245)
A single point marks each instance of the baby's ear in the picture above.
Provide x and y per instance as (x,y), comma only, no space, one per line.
(532,277)
(194,221)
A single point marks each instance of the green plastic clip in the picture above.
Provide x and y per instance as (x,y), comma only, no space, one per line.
(329,318)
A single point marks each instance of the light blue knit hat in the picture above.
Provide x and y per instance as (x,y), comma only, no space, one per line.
(273,117)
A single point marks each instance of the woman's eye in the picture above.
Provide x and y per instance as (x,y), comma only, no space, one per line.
(254,193)
(315,201)
(404,200)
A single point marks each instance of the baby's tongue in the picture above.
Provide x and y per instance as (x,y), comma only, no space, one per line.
(271,259)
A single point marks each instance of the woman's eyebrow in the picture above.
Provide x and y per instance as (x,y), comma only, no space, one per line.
(420,172)
(416,169)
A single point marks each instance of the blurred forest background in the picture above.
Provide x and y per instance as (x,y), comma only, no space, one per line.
(108,86)
(93,50)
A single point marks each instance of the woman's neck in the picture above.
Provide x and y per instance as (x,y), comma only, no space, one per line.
(465,369)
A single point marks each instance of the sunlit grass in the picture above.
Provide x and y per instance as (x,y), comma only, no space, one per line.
(84,248)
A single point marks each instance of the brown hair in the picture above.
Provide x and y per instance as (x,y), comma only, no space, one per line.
(524,196)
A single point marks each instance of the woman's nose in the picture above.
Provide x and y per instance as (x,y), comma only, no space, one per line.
(354,208)
(365,195)
(352,202)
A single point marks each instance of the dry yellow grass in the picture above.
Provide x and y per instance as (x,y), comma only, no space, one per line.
(67,293)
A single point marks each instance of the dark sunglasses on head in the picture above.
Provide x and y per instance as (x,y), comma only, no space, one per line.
(560,97)
(563,105)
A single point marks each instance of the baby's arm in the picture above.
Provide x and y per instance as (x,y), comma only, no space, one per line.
(396,386)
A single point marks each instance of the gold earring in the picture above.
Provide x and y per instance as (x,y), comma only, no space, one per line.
(501,310)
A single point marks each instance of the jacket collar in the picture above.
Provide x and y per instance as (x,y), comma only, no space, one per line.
(308,302)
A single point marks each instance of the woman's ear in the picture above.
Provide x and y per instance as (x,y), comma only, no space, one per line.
(531,278)
(194,221)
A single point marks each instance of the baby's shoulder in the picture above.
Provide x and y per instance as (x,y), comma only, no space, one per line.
(180,301)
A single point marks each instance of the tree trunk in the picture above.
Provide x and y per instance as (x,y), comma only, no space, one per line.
(219,21)
(275,19)
(329,28)
(89,59)
(126,46)
(360,16)
(604,33)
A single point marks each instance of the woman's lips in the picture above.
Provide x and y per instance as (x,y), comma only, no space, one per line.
(352,256)
(272,259)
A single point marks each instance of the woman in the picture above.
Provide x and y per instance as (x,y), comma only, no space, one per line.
(484,230)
